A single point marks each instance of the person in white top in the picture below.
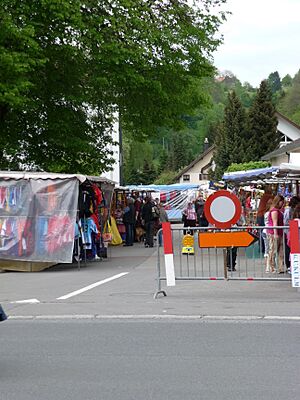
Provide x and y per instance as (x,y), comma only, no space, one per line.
(265,235)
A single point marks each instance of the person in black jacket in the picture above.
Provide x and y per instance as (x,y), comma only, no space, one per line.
(129,221)
(148,220)
(3,316)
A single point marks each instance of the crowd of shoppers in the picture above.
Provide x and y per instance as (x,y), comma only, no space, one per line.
(276,247)
(140,220)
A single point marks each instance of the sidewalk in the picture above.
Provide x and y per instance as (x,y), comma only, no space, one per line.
(132,295)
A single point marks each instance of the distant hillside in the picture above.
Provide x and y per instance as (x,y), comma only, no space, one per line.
(160,158)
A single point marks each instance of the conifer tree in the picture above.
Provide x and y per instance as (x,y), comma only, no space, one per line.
(149,173)
(178,155)
(231,139)
(221,155)
(234,126)
(262,125)
(163,161)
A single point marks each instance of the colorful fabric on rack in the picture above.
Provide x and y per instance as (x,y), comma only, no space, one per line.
(89,227)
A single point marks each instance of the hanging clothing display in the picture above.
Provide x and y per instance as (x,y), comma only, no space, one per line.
(37,218)
(93,211)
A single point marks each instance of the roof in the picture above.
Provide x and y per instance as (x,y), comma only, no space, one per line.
(289,171)
(17,175)
(282,150)
(288,147)
(287,119)
(246,176)
(199,158)
(163,188)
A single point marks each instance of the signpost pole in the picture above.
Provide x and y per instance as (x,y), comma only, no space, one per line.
(225,263)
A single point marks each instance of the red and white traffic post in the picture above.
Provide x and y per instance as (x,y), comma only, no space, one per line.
(295,252)
(169,254)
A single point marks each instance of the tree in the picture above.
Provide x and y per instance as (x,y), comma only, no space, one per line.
(274,82)
(179,154)
(221,154)
(69,66)
(234,126)
(163,160)
(149,173)
(262,125)
(231,138)
(287,81)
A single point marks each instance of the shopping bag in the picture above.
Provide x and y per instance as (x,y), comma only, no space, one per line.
(107,235)
(116,237)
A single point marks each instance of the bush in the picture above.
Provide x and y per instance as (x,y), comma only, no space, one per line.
(166,178)
(247,166)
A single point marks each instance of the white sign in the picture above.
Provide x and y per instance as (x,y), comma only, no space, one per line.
(295,270)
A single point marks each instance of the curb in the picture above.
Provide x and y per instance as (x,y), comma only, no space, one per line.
(157,317)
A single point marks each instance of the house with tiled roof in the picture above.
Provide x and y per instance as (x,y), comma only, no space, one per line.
(198,170)
(289,151)
(289,148)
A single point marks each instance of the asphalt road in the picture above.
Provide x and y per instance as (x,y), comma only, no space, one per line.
(128,360)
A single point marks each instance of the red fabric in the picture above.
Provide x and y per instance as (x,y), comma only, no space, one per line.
(96,220)
(279,221)
(248,202)
(163,197)
(60,231)
(173,195)
(98,194)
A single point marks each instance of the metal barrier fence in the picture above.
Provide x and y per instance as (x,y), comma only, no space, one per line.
(267,259)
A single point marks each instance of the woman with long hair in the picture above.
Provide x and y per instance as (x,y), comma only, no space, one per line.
(276,235)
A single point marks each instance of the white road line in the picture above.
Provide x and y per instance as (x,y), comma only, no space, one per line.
(93,285)
(29,301)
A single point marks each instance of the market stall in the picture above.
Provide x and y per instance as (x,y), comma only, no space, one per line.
(43,214)
(174,197)
(250,185)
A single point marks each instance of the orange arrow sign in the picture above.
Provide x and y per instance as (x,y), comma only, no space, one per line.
(226,239)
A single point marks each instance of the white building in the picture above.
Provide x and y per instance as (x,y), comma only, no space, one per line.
(197,171)
(289,148)
(114,174)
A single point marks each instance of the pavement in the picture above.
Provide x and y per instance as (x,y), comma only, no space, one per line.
(129,293)
(126,360)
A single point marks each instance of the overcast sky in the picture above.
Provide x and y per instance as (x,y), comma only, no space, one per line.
(260,37)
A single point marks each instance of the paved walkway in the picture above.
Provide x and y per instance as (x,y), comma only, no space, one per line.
(131,295)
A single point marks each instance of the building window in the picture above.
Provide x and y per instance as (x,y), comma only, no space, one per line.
(203,177)
(186,178)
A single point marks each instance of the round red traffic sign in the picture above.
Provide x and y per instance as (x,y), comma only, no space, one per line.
(223,209)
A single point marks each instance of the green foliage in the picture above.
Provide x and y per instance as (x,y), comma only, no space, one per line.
(274,82)
(66,67)
(20,56)
(231,142)
(287,81)
(166,178)
(148,174)
(247,166)
(289,105)
(262,125)
(221,154)
(163,161)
